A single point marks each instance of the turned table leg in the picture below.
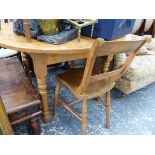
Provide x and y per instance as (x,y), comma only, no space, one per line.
(40,69)
(44,98)
(25,60)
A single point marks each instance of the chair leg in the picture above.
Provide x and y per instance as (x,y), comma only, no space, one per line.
(84,115)
(34,126)
(107,109)
(57,92)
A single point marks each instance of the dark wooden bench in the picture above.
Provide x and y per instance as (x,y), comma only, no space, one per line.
(18,95)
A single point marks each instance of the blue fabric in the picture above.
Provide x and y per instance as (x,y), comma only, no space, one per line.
(59,38)
(67,31)
(19,29)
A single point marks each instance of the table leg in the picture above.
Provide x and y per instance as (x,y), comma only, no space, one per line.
(25,59)
(40,69)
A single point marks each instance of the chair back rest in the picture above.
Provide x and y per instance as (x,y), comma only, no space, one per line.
(26,24)
(5,125)
(102,48)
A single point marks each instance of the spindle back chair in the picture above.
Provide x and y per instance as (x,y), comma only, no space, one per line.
(85,85)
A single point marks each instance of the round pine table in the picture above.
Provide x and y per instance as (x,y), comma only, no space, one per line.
(44,54)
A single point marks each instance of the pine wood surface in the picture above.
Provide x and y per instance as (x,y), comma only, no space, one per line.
(9,39)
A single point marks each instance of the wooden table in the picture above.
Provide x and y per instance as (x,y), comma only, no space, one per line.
(44,54)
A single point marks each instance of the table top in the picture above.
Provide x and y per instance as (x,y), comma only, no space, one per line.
(10,40)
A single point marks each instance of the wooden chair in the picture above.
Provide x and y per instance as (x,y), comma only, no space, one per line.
(21,102)
(85,85)
(5,125)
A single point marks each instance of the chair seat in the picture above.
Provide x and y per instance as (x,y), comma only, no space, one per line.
(4,53)
(15,88)
(72,79)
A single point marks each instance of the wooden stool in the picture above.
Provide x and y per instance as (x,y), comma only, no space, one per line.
(18,95)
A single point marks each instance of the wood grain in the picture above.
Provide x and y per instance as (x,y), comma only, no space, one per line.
(18,95)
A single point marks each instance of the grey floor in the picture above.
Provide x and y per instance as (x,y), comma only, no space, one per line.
(131,115)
